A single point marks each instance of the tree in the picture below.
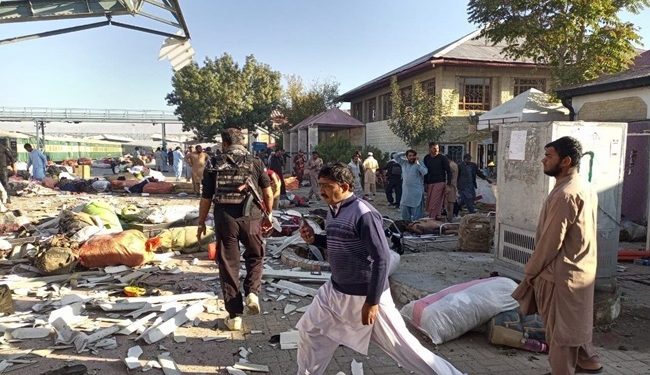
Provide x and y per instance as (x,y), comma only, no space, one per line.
(417,116)
(300,102)
(579,40)
(221,94)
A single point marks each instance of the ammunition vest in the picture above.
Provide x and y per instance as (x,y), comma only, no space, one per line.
(231,173)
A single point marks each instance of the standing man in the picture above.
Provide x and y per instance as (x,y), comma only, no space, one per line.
(562,268)
(370,166)
(355,306)
(313,167)
(394,177)
(170,158)
(196,162)
(178,157)
(452,190)
(38,162)
(467,172)
(159,156)
(7,159)
(187,171)
(355,167)
(299,166)
(276,164)
(238,216)
(438,174)
(413,174)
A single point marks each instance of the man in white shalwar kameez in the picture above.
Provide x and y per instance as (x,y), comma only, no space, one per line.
(355,306)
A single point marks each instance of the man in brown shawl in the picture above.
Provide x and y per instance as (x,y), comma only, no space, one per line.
(562,268)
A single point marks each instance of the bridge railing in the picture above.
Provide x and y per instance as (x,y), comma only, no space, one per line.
(86,114)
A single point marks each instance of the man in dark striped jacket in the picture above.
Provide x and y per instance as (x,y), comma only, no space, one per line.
(355,306)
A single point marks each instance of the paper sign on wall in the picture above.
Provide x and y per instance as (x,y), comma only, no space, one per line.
(517,150)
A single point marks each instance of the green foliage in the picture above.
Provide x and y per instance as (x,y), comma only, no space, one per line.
(336,150)
(580,40)
(420,120)
(300,102)
(220,94)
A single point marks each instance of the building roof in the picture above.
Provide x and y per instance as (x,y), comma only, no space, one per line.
(637,76)
(529,106)
(470,49)
(332,118)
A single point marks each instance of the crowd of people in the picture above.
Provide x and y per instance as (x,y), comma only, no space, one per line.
(436,187)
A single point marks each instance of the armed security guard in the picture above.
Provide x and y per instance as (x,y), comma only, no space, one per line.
(234,182)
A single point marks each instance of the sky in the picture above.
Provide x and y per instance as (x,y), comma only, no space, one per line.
(350,42)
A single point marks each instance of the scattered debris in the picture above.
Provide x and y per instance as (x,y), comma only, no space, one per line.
(289,340)
(356,367)
(132,361)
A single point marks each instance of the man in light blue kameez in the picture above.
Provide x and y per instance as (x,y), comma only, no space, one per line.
(38,162)
(412,185)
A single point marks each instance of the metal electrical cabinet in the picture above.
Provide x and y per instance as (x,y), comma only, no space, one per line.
(523,186)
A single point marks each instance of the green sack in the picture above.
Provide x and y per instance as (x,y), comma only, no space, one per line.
(132,214)
(106,213)
(184,240)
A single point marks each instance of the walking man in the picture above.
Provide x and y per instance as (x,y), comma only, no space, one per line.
(562,268)
(299,166)
(38,162)
(370,166)
(313,167)
(438,174)
(238,216)
(413,174)
(7,159)
(196,162)
(394,177)
(467,172)
(355,306)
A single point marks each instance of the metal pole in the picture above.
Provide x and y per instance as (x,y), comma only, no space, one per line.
(42,136)
(164,137)
(38,135)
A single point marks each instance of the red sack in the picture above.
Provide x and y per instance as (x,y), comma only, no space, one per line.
(84,161)
(131,248)
(120,184)
(158,188)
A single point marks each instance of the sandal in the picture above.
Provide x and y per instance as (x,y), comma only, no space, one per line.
(580,370)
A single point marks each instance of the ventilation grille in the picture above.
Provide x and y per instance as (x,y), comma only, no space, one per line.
(515,246)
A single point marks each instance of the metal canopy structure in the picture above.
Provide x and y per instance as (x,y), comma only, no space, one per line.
(152,15)
(166,12)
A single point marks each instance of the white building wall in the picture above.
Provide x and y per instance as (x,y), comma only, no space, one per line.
(643,93)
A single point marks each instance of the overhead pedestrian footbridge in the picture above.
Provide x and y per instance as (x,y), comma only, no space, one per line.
(40,114)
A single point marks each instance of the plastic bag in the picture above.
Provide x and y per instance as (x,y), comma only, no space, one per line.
(172,214)
(130,248)
(106,213)
(453,311)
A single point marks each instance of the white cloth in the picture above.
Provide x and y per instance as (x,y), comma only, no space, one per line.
(334,319)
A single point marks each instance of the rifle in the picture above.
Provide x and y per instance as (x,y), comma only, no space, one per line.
(257,199)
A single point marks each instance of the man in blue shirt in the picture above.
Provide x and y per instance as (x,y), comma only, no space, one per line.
(355,306)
